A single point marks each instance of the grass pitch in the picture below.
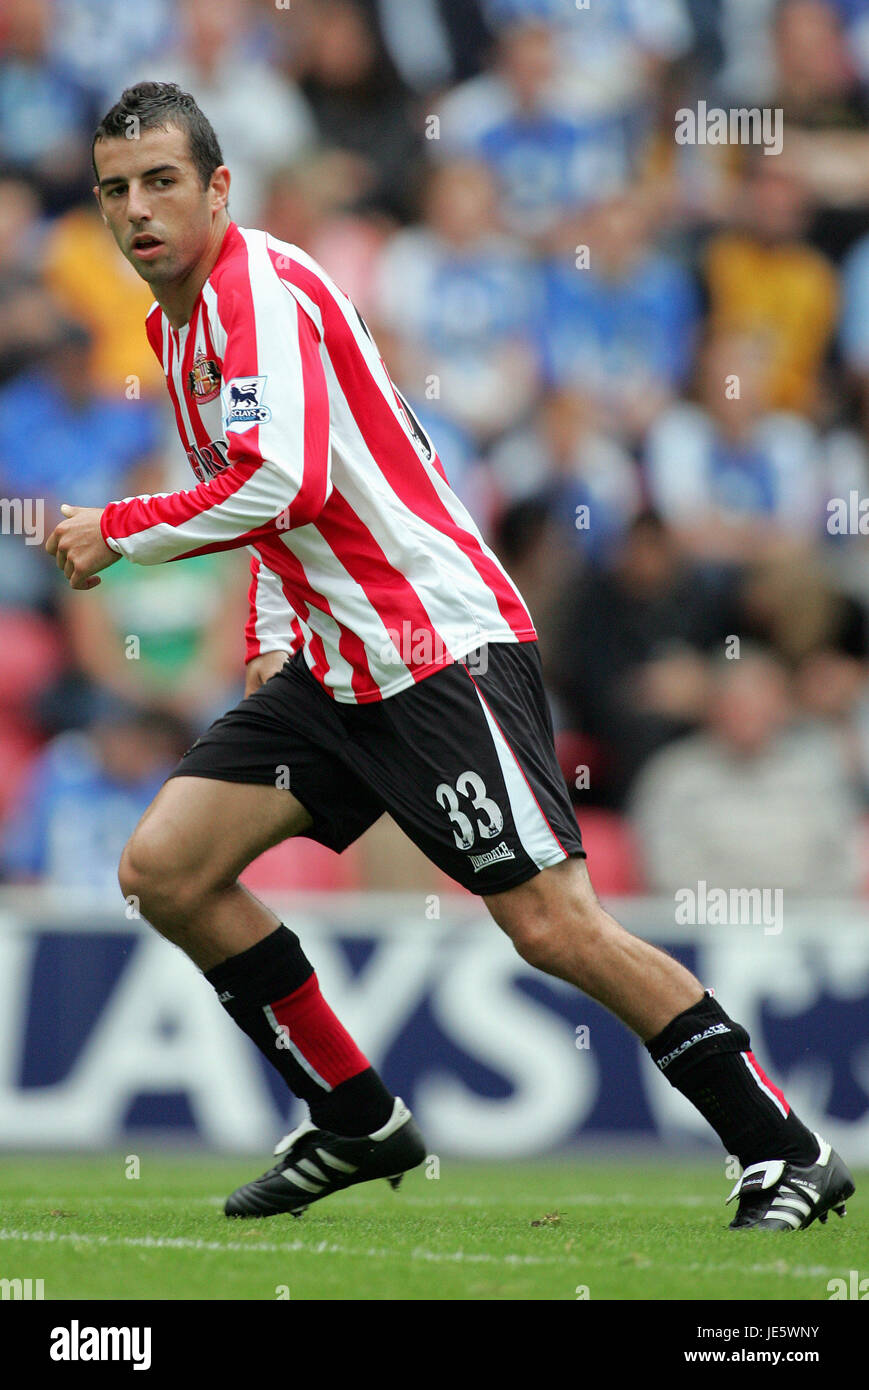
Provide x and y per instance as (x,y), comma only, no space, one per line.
(479,1231)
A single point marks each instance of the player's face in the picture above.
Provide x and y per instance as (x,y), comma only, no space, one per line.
(151,197)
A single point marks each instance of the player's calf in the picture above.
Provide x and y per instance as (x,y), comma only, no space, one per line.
(182,862)
(557,924)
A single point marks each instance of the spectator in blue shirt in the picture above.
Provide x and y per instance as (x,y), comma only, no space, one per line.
(458,299)
(619,322)
(546,159)
(86,791)
(729,474)
(72,432)
(44,113)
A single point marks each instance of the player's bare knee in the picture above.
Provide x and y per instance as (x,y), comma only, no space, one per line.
(128,872)
(536,942)
(164,888)
(137,875)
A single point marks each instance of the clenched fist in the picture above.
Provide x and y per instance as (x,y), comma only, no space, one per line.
(79,546)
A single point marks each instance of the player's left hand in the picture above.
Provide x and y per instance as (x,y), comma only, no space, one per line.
(262,668)
(79,547)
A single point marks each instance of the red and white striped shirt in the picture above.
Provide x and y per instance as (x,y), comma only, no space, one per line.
(307,454)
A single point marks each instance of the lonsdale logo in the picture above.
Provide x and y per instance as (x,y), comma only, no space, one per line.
(492,856)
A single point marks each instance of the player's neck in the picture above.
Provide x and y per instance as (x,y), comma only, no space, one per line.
(178,299)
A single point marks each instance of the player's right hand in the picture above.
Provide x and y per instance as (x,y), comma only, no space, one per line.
(261,669)
(78,546)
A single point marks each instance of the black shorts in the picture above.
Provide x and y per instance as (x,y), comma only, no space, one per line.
(463,761)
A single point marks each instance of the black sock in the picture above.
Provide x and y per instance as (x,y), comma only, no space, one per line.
(272,993)
(707,1057)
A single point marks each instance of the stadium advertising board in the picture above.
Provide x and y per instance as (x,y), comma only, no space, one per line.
(110,1035)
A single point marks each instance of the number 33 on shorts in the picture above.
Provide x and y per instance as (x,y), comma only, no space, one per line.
(489,821)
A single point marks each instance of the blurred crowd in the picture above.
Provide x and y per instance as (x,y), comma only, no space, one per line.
(645,364)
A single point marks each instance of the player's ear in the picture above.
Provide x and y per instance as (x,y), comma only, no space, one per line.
(96,192)
(219,187)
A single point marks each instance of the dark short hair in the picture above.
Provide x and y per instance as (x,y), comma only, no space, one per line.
(156,105)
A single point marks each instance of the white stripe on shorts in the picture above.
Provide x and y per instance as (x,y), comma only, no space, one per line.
(535,833)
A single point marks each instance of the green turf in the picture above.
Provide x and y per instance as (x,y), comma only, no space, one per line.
(623,1230)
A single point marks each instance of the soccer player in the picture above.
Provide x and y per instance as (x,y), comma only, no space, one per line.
(392,667)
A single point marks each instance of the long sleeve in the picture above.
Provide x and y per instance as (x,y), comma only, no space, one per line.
(275,416)
(272,624)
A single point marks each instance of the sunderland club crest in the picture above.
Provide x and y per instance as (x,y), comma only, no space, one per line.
(203,379)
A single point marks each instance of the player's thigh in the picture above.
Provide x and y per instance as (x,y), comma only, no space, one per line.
(203,828)
(263,772)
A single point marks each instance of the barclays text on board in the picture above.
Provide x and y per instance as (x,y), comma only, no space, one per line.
(495,1059)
